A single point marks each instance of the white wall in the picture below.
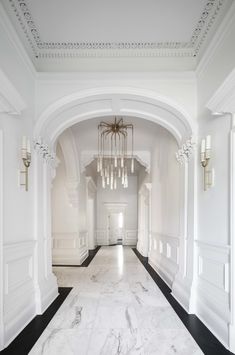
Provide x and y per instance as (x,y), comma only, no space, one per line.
(213,257)
(23,279)
(69,218)
(180,87)
(64,215)
(65,227)
(165,207)
(17,245)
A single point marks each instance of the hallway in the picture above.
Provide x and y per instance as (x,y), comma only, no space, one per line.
(114,308)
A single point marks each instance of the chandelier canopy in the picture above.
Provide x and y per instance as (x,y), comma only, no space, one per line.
(115,152)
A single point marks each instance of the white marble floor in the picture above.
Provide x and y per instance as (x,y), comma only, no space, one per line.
(115,308)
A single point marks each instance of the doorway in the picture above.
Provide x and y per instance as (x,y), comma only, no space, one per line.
(116,229)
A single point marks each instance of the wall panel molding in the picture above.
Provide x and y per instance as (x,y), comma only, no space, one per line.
(18,288)
(130,237)
(102,237)
(69,248)
(163,256)
(213,288)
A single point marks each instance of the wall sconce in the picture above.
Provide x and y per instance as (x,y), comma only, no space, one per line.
(26,158)
(205,158)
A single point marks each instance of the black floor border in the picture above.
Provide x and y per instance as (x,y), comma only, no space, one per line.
(24,342)
(92,254)
(208,343)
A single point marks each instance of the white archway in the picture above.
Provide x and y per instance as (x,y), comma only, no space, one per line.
(128,102)
(69,150)
(110,101)
(66,249)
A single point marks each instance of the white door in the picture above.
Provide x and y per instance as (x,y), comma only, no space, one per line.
(115,227)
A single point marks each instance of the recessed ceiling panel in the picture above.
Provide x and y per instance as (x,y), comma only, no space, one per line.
(59,31)
(116,21)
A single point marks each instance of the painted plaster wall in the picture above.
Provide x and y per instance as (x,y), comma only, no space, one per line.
(165,206)
(17,245)
(213,232)
(64,215)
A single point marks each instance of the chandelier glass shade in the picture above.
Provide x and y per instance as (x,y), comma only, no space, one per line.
(115,152)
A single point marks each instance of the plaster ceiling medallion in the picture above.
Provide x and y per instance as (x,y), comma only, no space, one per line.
(178,33)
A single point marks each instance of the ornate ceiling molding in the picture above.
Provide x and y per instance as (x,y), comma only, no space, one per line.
(44,49)
(223,100)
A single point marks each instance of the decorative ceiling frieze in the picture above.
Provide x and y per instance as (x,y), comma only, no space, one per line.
(44,49)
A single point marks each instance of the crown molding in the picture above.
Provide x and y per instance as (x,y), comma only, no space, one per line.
(211,20)
(161,76)
(142,52)
(224,98)
(216,41)
(16,42)
(49,50)
(10,100)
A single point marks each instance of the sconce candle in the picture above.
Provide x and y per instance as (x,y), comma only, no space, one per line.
(208,147)
(208,142)
(203,146)
(24,148)
(28,147)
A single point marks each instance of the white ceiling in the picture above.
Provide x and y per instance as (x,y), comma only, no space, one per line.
(59,33)
(115,21)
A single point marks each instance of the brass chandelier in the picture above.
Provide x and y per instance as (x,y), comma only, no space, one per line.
(113,158)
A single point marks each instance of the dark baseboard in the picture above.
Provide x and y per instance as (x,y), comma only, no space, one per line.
(208,343)
(92,254)
(24,342)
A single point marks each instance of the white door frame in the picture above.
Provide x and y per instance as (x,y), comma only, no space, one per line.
(114,207)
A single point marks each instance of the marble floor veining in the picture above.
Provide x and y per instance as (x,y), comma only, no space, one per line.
(114,308)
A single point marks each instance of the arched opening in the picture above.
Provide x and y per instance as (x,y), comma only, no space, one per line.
(173,255)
